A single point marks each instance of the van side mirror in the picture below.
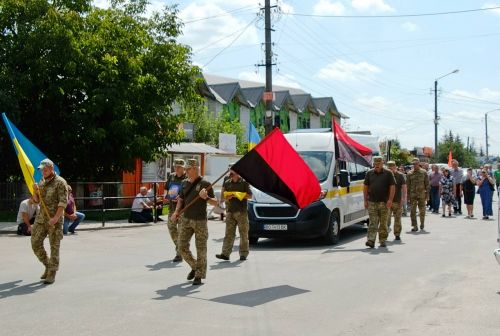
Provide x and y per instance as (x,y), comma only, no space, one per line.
(343,179)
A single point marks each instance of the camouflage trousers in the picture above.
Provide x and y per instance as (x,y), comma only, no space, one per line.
(173,229)
(38,234)
(378,221)
(233,220)
(396,210)
(421,203)
(199,228)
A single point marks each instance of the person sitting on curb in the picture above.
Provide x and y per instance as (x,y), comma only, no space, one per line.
(28,209)
(71,216)
(141,211)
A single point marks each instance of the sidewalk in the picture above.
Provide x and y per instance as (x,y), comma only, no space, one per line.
(86,225)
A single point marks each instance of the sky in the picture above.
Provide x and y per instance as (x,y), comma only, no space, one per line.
(378,59)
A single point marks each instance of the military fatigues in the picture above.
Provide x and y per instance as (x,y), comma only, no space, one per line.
(397,205)
(174,184)
(418,188)
(194,221)
(237,216)
(378,194)
(54,193)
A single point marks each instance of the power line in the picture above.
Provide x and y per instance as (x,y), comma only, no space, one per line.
(396,16)
(230,44)
(226,13)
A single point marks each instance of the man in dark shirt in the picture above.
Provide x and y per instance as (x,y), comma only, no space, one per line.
(172,191)
(398,200)
(378,192)
(194,196)
(235,192)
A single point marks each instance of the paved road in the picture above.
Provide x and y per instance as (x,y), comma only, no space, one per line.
(444,281)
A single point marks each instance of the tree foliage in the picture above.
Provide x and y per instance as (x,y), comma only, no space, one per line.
(451,142)
(399,155)
(92,88)
(208,126)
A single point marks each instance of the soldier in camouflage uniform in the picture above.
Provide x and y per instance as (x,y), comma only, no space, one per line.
(398,200)
(378,194)
(417,182)
(52,194)
(194,220)
(173,188)
(237,215)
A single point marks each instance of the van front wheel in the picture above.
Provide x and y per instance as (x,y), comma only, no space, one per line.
(333,232)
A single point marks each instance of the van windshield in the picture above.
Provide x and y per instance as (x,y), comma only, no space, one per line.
(319,162)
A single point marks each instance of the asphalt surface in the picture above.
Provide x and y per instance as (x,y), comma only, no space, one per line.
(443,281)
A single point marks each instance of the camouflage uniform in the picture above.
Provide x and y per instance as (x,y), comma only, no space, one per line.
(418,188)
(378,213)
(194,221)
(172,226)
(397,204)
(54,194)
(237,216)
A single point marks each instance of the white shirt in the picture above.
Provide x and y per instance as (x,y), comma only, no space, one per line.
(137,205)
(26,207)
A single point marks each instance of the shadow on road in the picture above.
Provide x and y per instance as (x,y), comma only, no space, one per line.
(181,290)
(259,297)
(163,264)
(9,289)
(226,264)
(347,235)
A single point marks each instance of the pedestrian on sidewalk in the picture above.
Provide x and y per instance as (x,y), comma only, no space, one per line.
(447,191)
(458,176)
(485,190)
(469,187)
(435,193)
(71,216)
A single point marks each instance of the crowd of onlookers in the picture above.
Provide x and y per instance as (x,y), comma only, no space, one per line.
(450,185)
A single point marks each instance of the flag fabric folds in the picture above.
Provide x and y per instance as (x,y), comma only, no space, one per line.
(28,155)
(450,158)
(275,168)
(253,137)
(347,149)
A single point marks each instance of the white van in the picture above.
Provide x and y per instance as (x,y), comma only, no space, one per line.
(339,206)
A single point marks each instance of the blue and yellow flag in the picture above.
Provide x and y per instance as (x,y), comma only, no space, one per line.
(28,155)
(253,137)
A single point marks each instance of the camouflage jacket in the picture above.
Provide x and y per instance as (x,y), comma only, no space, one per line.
(417,183)
(54,194)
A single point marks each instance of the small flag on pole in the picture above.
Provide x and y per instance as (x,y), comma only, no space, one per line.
(253,137)
(450,158)
(28,155)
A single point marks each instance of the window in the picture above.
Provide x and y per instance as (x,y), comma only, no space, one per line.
(318,162)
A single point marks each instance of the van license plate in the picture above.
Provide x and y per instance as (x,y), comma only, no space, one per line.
(275,227)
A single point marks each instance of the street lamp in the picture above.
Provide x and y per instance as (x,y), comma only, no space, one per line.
(486,131)
(436,120)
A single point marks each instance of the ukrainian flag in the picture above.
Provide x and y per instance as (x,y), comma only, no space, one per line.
(253,137)
(28,155)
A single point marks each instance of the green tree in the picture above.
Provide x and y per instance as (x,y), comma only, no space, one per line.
(207,126)
(92,88)
(450,142)
(398,154)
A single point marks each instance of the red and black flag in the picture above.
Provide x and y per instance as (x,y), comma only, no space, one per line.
(274,167)
(347,149)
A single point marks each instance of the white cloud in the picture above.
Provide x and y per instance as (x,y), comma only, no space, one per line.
(491,5)
(327,7)
(278,79)
(217,32)
(371,6)
(344,71)
(410,26)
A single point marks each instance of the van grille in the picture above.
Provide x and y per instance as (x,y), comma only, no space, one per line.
(276,212)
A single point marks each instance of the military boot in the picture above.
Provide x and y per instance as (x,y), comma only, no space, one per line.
(44,275)
(51,277)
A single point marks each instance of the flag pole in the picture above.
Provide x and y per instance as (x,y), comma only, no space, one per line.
(198,196)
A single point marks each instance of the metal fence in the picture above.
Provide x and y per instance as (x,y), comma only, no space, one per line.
(103,201)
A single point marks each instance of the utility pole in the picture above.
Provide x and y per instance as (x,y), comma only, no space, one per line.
(486,131)
(268,95)
(436,151)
